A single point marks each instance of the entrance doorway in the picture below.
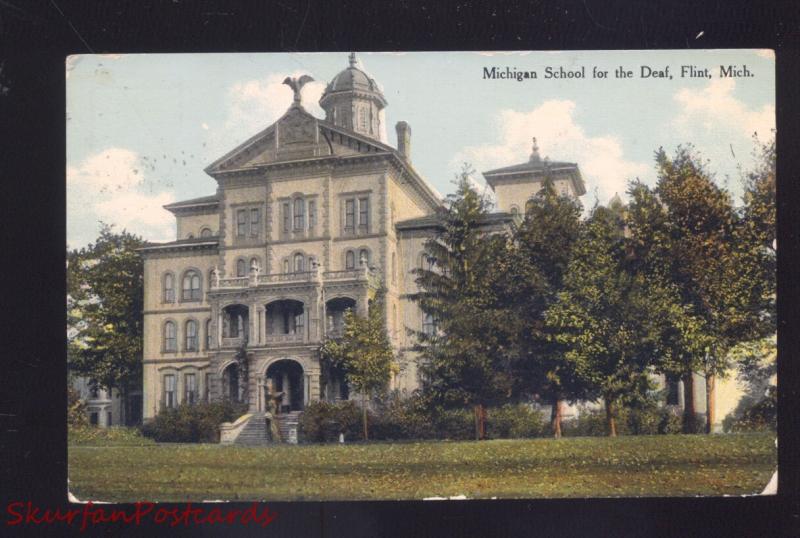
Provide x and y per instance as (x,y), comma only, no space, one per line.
(287,377)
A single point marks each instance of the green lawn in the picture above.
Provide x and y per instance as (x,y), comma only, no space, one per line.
(570,467)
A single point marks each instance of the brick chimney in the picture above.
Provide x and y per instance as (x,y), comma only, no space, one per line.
(404,139)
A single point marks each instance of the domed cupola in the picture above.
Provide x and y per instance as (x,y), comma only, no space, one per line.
(353,100)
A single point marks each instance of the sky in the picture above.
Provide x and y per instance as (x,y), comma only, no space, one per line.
(142,127)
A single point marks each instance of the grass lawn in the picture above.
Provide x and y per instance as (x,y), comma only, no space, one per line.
(571,467)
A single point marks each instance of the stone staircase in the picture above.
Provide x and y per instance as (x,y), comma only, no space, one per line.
(255,431)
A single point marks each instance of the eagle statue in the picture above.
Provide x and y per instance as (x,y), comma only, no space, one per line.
(296,84)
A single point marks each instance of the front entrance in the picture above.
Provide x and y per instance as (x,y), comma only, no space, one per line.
(286,376)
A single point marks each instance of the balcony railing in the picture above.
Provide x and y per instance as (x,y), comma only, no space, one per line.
(304,276)
(239,282)
(232,341)
(348,274)
(281,278)
(285,338)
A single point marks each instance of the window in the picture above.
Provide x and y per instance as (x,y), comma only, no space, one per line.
(241,268)
(312,214)
(672,391)
(241,222)
(191,286)
(363,257)
(255,220)
(108,418)
(208,334)
(286,265)
(362,118)
(93,420)
(169,288)
(428,324)
(287,216)
(350,260)
(349,214)
(190,388)
(298,263)
(191,335)
(207,388)
(363,213)
(169,391)
(299,213)
(205,232)
(170,337)
(311,263)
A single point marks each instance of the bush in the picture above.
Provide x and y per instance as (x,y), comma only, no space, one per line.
(196,423)
(114,436)
(323,422)
(402,417)
(76,409)
(515,422)
(756,417)
(455,424)
(641,420)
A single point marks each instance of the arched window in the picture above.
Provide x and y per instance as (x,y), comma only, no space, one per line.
(241,268)
(299,213)
(362,118)
(299,260)
(191,286)
(514,210)
(208,334)
(169,288)
(170,337)
(350,260)
(286,265)
(191,335)
(363,254)
(205,232)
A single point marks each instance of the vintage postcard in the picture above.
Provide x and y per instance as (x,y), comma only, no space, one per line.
(407,276)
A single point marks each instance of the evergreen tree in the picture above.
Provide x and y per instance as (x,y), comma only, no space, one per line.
(466,359)
(105,311)
(542,252)
(364,353)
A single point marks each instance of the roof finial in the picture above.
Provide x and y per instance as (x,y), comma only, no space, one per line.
(535,151)
(296,84)
(353,59)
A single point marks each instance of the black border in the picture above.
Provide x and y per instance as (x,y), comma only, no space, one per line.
(35,38)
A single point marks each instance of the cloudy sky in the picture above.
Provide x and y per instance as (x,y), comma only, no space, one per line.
(141,128)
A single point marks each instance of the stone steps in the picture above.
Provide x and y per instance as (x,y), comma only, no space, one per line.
(255,431)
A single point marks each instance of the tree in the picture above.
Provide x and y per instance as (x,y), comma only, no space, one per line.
(105,311)
(364,353)
(688,233)
(542,253)
(605,315)
(465,356)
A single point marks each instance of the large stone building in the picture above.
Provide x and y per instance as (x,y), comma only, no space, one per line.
(310,217)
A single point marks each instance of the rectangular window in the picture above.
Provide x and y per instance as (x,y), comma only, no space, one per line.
(169,391)
(285,266)
(299,213)
(108,419)
(312,214)
(241,222)
(363,213)
(208,387)
(287,216)
(190,384)
(255,221)
(93,419)
(349,214)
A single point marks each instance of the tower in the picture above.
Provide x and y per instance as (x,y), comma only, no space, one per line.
(352,100)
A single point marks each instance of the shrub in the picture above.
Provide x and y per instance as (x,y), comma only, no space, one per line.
(515,422)
(196,423)
(114,436)
(455,424)
(397,416)
(641,420)
(759,416)
(323,422)
(76,408)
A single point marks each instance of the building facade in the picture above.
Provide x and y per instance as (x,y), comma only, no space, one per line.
(311,216)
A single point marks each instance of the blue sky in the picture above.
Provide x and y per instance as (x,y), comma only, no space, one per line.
(141,128)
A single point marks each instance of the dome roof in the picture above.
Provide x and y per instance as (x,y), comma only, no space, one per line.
(353,79)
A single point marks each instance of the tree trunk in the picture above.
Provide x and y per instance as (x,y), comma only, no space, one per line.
(555,418)
(480,422)
(611,423)
(364,415)
(688,403)
(711,397)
